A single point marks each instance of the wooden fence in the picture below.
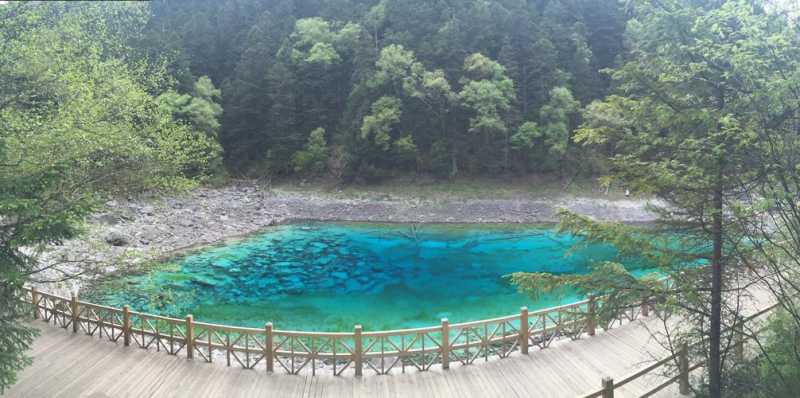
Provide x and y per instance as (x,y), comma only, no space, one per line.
(680,361)
(293,352)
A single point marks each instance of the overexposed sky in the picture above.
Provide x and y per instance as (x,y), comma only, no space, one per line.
(791,6)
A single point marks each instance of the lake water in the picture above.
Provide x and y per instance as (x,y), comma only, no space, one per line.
(331,276)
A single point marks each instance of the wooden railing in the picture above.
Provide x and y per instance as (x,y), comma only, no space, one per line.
(293,352)
(681,361)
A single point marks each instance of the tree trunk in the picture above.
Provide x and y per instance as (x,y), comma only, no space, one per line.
(714,359)
(453,151)
(524,90)
(505,152)
(453,163)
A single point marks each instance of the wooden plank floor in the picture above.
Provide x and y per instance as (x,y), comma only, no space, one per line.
(76,365)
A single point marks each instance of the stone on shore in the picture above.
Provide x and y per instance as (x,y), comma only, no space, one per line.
(115,237)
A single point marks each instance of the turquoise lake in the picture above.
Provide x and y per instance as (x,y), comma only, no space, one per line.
(331,276)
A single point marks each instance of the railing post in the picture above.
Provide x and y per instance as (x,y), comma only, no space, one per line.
(683,368)
(357,360)
(608,387)
(35,302)
(591,321)
(523,330)
(445,343)
(126,325)
(189,337)
(645,308)
(73,308)
(268,348)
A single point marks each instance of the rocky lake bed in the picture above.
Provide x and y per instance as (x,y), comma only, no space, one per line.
(132,232)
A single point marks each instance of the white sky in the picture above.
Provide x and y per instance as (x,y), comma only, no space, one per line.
(791,6)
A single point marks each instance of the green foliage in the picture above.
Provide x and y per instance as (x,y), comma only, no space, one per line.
(404,147)
(204,109)
(78,121)
(489,101)
(488,92)
(671,255)
(315,40)
(313,158)
(377,126)
(775,370)
(619,289)
(15,339)
(600,120)
(398,69)
(698,104)
(200,110)
(395,65)
(557,118)
(526,135)
(549,142)
(286,68)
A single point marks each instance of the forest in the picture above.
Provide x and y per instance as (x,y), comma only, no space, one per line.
(360,90)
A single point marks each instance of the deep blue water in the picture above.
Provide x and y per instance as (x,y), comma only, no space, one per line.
(330,276)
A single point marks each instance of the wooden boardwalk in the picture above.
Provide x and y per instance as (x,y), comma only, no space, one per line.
(77,365)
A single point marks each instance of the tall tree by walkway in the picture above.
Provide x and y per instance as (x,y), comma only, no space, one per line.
(693,98)
(76,124)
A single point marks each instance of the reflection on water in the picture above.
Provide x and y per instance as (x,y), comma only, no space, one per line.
(330,276)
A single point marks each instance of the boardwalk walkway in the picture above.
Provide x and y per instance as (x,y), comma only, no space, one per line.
(76,365)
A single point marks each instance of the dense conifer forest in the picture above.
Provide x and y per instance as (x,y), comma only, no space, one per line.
(364,89)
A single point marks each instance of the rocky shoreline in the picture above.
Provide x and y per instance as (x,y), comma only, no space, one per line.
(137,230)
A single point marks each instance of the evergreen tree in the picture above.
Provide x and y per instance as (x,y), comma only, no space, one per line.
(703,85)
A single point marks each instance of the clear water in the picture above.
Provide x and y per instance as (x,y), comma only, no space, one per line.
(331,276)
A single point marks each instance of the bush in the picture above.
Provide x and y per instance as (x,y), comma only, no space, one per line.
(775,370)
(313,158)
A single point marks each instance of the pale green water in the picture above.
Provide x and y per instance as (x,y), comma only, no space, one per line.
(330,276)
